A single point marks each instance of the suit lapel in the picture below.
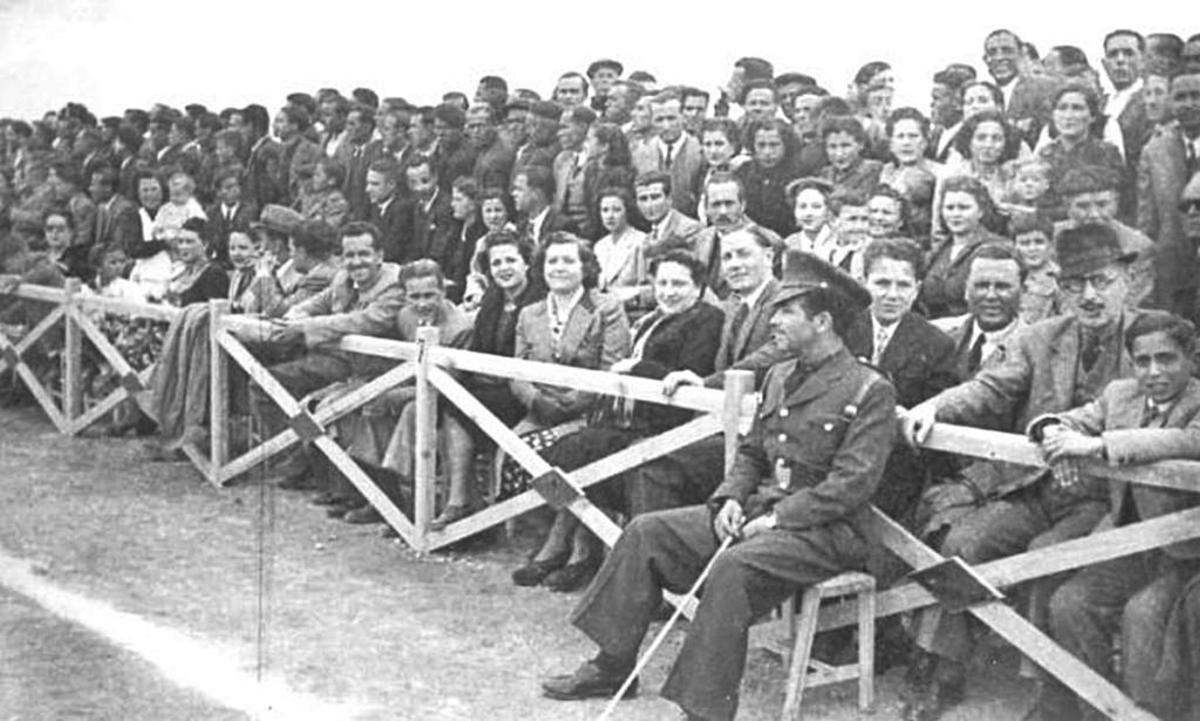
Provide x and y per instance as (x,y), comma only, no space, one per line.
(758,314)
(897,351)
(1064,356)
(577,324)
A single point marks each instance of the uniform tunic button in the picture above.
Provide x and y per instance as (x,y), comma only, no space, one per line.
(783,413)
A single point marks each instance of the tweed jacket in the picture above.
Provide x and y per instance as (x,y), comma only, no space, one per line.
(686,167)
(339,310)
(1162,175)
(1116,417)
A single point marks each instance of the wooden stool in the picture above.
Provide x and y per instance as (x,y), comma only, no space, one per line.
(853,583)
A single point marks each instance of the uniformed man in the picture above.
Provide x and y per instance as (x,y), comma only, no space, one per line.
(799,483)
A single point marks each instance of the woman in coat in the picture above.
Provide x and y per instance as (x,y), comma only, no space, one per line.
(968,217)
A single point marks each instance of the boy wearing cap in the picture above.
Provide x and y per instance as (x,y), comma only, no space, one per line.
(800,480)
(1049,367)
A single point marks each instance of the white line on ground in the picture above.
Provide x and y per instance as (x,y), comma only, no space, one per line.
(186,661)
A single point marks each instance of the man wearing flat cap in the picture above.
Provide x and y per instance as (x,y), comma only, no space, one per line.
(1049,367)
(799,485)
(603,73)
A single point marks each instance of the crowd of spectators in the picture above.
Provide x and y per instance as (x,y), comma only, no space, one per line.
(630,225)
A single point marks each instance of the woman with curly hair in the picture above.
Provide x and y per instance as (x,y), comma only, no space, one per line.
(969,220)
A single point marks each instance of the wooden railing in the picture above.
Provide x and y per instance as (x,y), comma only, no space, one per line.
(430,367)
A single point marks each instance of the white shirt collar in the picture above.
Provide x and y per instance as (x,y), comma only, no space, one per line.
(751,299)
(538,220)
(992,339)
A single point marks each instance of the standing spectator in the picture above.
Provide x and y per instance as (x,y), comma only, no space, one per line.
(391,216)
(117,222)
(668,227)
(570,197)
(264,171)
(433,227)
(298,154)
(1126,124)
(1075,110)
(356,154)
(533,196)
(454,157)
(908,171)
(622,96)
(66,189)
(541,144)
(1027,101)
(672,151)
(323,200)
(228,215)
(468,229)
(493,157)
(602,74)
(334,108)
(570,91)
(766,177)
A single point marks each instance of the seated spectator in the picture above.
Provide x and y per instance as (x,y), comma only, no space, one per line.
(667,225)
(1033,238)
(721,147)
(574,325)
(383,434)
(622,254)
(196,278)
(845,140)
(887,214)
(71,259)
(968,218)
(766,176)
(851,226)
(908,171)
(681,333)
(1153,416)
(810,208)
(322,199)
(228,215)
(66,190)
(274,226)
(1076,110)
(109,281)
(469,229)
(608,165)
(19,315)
(116,217)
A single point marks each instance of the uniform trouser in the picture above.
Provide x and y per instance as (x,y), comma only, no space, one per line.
(668,550)
(682,478)
(1133,595)
(1000,528)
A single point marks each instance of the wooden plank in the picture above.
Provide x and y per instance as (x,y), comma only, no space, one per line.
(101,343)
(218,391)
(36,332)
(335,408)
(377,498)
(425,439)
(43,397)
(259,374)
(97,411)
(72,357)
(259,454)
(738,385)
(133,309)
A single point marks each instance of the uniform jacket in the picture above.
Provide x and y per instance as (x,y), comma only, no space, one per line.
(596,335)
(815,455)
(686,167)
(1036,377)
(1116,417)
(339,311)
(1162,175)
(751,347)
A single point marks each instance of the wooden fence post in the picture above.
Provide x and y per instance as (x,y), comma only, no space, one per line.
(737,385)
(425,446)
(218,389)
(72,359)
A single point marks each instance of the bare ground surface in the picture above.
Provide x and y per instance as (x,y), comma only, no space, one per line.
(344,614)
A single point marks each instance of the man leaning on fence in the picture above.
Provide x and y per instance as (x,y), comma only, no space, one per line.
(1049,367)
(799,483)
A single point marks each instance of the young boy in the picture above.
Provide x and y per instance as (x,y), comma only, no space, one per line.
(1153,416)
(850,226)
(110,262)
(1028,188)
(1032,236)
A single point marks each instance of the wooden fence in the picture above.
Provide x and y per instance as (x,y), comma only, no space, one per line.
(431,368)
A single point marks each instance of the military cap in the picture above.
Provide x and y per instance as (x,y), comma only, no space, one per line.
(1085,249)
(451,115)
(604,63)
(547,110)
(805,272)
(278,218)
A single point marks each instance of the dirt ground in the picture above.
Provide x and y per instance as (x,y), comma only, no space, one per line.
(344,614)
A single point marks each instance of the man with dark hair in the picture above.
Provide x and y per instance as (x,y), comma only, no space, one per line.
(668,227)
(945,108)
(725,208)
(533,197)
(357,153)
(493,157)
(366,96)
(760,100)
(693,107)
(570,198)
(1002,509)
(1127,126)
(622,97)
(1168,161)
(117,222)
(790,502)
(391,216)
(264,168)
(570,90)
(994,285)
(298,155)
(672,151)
(433,220)
(541,145)
(1166,46)
(1026,97)
(228,214)
(744,70)
(492,90)
(454,157)
(333,111)
(787,86)
(602,74)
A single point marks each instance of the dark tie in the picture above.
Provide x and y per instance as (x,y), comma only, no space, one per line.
(975,357)
(736,328)
(670,156)
(1190,151)
(1150,415)
(1090,352)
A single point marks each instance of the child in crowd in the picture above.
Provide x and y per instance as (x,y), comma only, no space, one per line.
(110,262)
(1032,236)
(850,226)
(1026,192)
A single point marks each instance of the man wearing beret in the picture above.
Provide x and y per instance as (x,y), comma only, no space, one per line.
(799,485)
(603,73)
(1049,367)
(454,157)
(541,142)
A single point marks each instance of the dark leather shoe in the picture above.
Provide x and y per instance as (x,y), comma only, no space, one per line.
(329,499)
(299,482)
(363,516)
(572,576)
(588,681)
(534,572)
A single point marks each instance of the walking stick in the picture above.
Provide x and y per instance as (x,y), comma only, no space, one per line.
(662,634)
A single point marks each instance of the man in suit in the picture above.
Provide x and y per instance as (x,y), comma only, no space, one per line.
(357,154)
(264,169)
(1026,97)
(725,208)
(298,155)
(672,151)
(917,357)
(493,157)
(540,146)
(569,196)
(454,157)
(1153,416)
(229,214)
(1168,161)
(533,197)
(391,215)
(333,113)
(117,222)
(1127,126)
(434,230)
(1050,367)
(792,502)
(668,227)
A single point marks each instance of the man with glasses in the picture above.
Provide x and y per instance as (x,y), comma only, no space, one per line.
(1168,161)
(1050,367)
